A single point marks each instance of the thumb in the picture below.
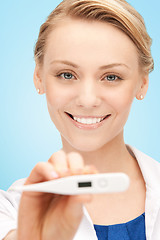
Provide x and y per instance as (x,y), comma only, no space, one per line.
(75,206)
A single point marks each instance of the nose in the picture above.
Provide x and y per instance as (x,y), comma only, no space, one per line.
(88,95)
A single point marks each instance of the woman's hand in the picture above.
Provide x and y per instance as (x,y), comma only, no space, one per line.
(45,216)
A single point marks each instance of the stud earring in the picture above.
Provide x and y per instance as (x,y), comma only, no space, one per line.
(38,90)
(141,97)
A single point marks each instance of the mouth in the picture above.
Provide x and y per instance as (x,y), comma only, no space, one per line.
(88,120)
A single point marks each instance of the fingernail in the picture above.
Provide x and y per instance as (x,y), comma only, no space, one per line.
(54,174)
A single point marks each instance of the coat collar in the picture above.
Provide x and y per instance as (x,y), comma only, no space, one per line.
(149,167)
(86,229)
(151,172)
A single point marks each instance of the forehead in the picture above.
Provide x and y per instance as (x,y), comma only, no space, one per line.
(93,41)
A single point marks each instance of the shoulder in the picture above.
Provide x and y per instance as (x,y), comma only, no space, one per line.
(9,203)
(10,197)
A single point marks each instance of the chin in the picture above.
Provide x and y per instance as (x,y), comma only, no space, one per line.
(85,146)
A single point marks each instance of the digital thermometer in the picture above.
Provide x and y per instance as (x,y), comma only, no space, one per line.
(81,184)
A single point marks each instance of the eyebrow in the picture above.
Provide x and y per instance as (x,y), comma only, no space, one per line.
(65,62)
(101,68)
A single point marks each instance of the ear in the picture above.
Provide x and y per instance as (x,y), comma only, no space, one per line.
(38,83)
(143,87)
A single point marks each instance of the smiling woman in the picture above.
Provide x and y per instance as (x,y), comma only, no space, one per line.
(92,59)
(98,84)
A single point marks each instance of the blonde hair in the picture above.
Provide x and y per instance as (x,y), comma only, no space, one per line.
(116,12)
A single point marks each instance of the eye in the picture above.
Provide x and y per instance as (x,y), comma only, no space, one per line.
(66,75)
(112,78)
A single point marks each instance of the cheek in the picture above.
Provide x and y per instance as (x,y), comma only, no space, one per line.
(121,100)
(57,96)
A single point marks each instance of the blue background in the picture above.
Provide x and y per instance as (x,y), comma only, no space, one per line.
(27,134)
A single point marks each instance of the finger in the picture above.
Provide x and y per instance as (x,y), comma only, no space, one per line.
(43,171)
(75,162)
(69,212)
(90,169)
(59,161)
(83,198)
(75,206)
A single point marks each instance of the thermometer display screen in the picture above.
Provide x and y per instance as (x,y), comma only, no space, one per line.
(84,184)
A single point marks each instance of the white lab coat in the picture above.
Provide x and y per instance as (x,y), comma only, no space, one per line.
(9,202)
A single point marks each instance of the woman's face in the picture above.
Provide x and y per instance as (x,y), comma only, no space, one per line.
(90,76)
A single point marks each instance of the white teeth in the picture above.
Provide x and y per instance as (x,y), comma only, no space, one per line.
(88,120)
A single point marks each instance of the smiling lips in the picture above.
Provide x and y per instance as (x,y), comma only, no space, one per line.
(87,122)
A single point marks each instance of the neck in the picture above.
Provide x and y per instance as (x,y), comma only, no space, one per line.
(112,157)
